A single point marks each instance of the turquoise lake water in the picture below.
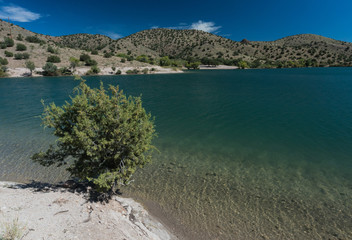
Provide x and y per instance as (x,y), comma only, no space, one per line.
(244,154)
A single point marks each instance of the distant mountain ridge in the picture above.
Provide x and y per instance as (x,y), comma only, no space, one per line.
(197,45)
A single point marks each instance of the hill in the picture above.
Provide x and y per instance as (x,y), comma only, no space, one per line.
(174,48)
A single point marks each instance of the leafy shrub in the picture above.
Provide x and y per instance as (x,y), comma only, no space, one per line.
(34,39)
(93,70)
(91,62)
(108,55)
(30,65)
(50,69)
(118,72)
(123,60)
(52,50)
(94,52)
(108,135)
(19,56)
(84,57)
(3,61)
(134,71)
(9,42)
(145,70)
(8,54)
(21,47)
(53,59)
(19,37)
(3,45)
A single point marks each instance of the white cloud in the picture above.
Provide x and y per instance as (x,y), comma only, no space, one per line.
(113,35)
(205,26)
(18,14)
(200,25)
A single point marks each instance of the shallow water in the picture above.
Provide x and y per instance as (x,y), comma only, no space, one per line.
(244,154)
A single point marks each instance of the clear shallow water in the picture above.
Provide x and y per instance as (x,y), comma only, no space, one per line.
(253,154)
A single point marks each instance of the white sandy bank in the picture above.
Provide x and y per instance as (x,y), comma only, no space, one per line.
(56,213)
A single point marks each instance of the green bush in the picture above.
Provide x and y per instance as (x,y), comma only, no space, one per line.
(94,52)
(91,62)
(9,42)
(21,47)
(118,72)
(53,59)
(123,60)
(84,57)
(108,55)
(19,56)
(102,137)
(93,70)
(30,65)
(34,39)
(50,69)
(3,61)
(3,45)
(8,54)
(134,71)
(145,70)
(50,49)
(19,37)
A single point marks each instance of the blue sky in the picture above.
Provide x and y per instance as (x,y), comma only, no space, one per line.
(263,20)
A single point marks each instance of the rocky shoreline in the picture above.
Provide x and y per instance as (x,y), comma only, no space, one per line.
(43,211)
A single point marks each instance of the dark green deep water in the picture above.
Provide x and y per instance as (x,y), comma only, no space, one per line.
(244,154)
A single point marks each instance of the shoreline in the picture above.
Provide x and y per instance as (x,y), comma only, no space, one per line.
(44,210)
(82,71)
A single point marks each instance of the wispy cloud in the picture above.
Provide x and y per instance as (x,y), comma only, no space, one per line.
(200,25)
(205,26)
(113,35)
(18,14)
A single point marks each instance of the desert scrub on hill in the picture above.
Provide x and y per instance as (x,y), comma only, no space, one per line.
(103,136)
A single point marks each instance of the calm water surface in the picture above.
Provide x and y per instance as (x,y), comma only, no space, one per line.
(244,154)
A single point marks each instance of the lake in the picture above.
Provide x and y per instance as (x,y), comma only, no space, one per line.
(244,154)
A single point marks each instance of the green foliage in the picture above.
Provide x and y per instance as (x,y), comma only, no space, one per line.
(122,55)
(74,62)
(84,57)
(8,54)
(3,70)
(34,39)
(192,65)
(94,52)
(91,62)
(134,71)
(164,61)
(145,70)
(50,69)
(19,37)
(93,70)
(9,42)
(102,137)
(123,60)
(118,72)
(3,61)
(53,59)
(243,64)
(21,47)
(64,71)
(3,45)
(30,65)
(50,49)
(108,54)
(19,56)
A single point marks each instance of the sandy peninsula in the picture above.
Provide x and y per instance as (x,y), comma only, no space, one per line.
(39,211)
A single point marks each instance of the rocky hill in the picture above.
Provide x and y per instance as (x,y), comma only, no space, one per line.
(149,46)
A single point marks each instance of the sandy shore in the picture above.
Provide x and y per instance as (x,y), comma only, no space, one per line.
(24,72)
(219,67)
(51,212)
